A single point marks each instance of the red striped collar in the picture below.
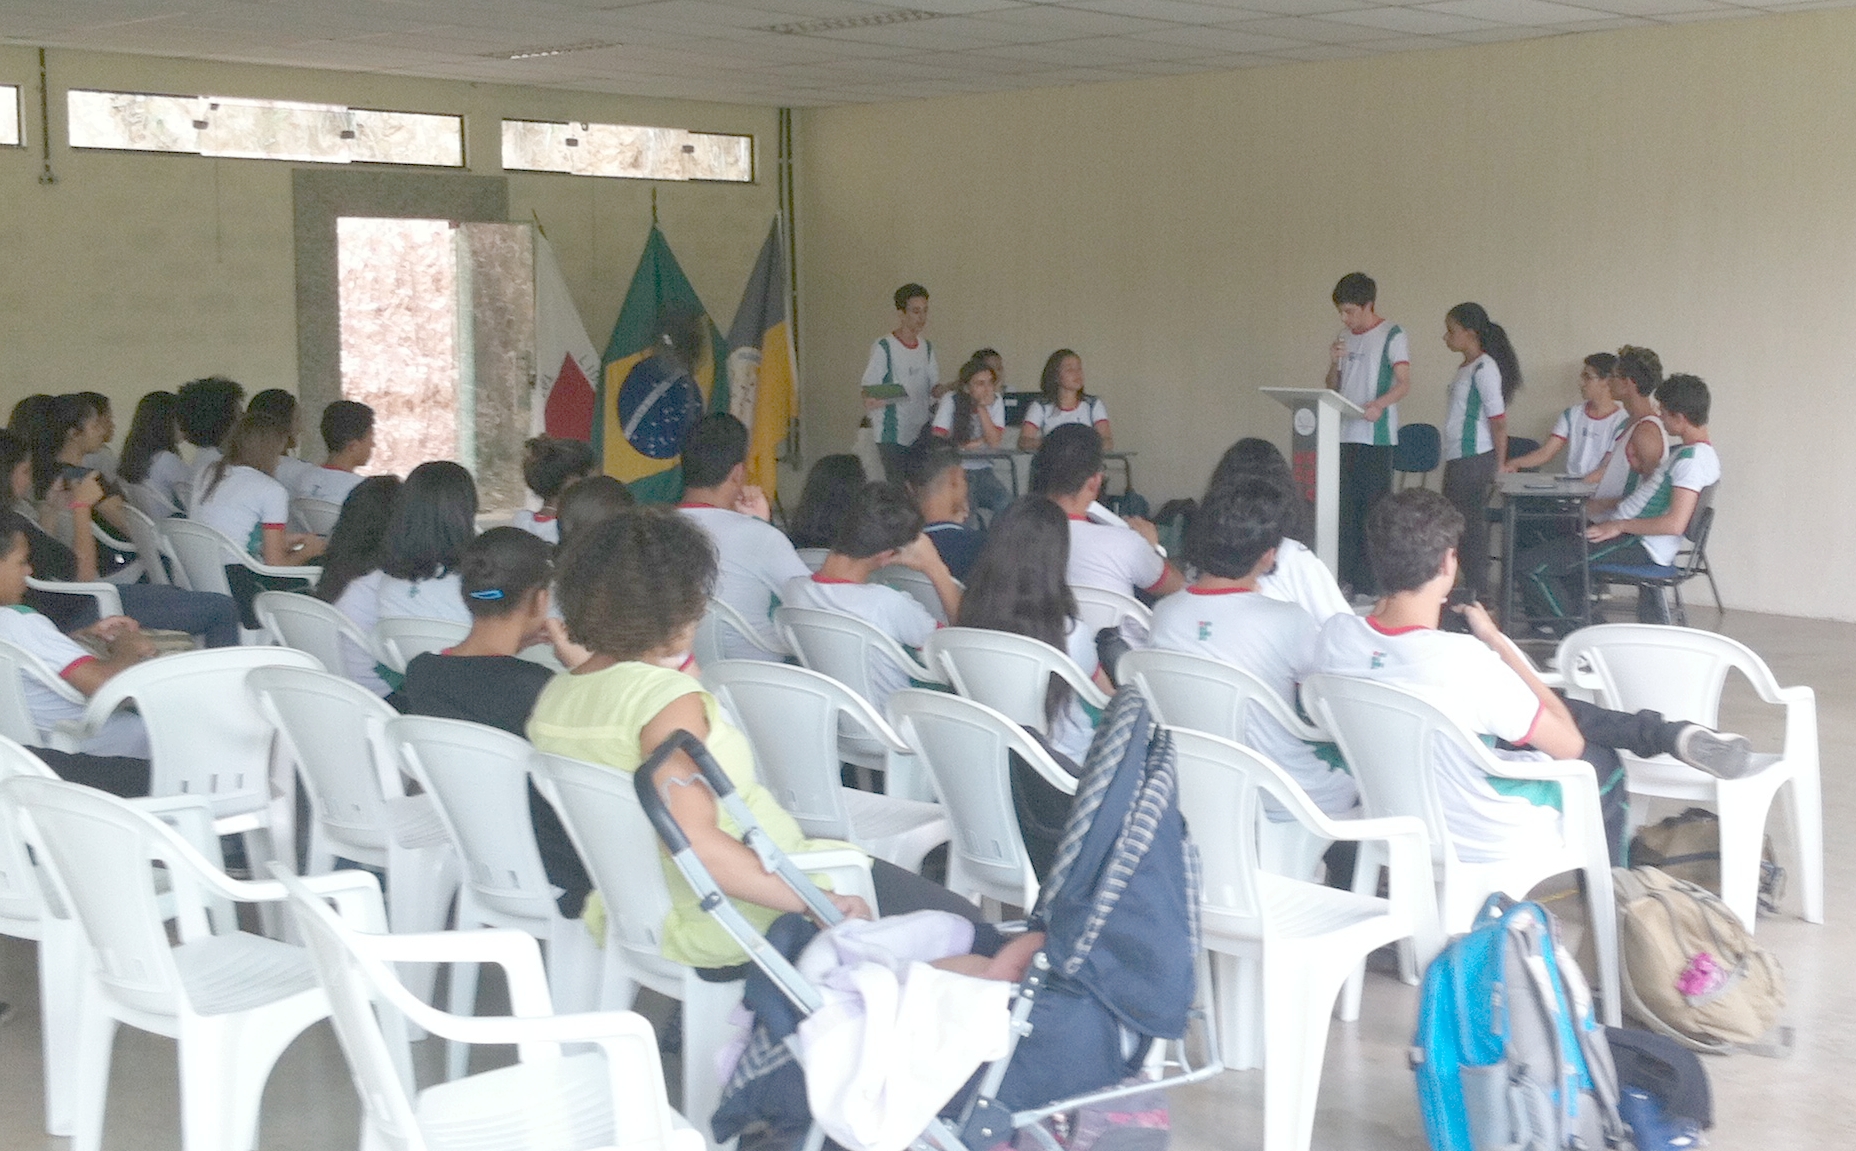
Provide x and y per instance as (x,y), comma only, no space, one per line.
(1372,621)
(1196,590)
(816,578)
(698,505)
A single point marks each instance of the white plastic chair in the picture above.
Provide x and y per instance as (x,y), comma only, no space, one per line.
(720,622)
(401,639)
(233,1000)
(1681,672)
(611,1097)
(916,586)
(1217,698)
(1102,607)
(1392,738)
(307,624)
(1283,947)
(203,553)
(207,738)
(111,544)
(478,778)
(335,731)
(967,748)
(813,558)
(792,718)
(108,599)
(599,807)
(318,516)
(16,719)
(149,504)
(157,558)
(1008,672)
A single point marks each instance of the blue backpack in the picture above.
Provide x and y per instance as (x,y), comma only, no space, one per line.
(1507,1054)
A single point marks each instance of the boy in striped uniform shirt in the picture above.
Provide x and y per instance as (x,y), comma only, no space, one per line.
(1369,364)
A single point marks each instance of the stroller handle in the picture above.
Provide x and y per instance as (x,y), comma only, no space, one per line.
(644,780)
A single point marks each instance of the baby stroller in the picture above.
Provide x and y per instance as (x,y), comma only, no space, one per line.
(1104,1009)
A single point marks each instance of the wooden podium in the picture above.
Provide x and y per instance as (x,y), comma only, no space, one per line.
(1315,455)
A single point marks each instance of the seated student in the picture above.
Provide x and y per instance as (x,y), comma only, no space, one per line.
(151,456)
(348,434)
(433,519)
(549,464)
(505,574)
(212,617)
(238,495)
(1642,442)
(972,415)
(351,574)
(101,458)
(1647,524)
(1232,542)
(1298,577)
(934,477)
(883,529)
(125,646)
(591,501)
(1064,403)
(756,560)
(1484,681)
(68,429)
(208,409)
(282,407)
(1586,430)
(1017,585)
(831,489)
(1067,470)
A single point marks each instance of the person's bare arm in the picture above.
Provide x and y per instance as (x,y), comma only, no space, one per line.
(1401,385)
(1682,503)
(734,865)
(1108,435)
(1538,456)
(125,646)
(1335,351)
(1498,432)
(990,433)
(1554,731)
(1029,437)
(83,541)
(1647,447)
(1170,579)
(924,557)
(293,550)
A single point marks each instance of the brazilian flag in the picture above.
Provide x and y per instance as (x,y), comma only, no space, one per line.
(664,368)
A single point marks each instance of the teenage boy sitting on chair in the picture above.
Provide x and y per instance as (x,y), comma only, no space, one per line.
(1484,682)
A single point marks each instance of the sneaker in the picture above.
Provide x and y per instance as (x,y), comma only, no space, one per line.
(1718,753)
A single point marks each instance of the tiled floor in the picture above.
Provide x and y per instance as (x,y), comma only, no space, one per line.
(1366,1094)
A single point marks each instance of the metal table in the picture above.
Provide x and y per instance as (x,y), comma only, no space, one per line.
(1533,499)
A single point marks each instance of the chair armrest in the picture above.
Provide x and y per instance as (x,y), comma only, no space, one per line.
(872,723)
(310,572)
(1558,770)
(109,600)
(1385,827)
(847,868)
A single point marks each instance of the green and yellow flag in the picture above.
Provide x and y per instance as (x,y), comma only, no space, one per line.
(664,369)
(762,384)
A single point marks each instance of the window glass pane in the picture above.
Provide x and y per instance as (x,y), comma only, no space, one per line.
(9,114)
(626,151)
(263,129)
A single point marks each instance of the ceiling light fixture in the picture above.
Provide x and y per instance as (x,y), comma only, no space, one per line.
(558,50)
(844,23)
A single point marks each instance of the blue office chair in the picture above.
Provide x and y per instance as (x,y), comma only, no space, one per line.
(1418,452)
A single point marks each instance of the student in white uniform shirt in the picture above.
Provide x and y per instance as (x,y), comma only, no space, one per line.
(1475,437)
(755,560)
(900,379)
(433,520)
(281,406)
(238,496)
(151,457)
(884,528)
(351,573)
(1063,402)
(1642,442)
(348,439)
(972,416)
(208,409)
(1067,470)
(1484,682)
(1370,364)
(1222,615)
(549,465)
(1298,577)
(1586,430)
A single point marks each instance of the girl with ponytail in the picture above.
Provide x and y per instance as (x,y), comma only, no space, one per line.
(1476,431)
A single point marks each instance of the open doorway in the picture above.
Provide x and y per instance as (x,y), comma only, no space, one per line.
(437,335)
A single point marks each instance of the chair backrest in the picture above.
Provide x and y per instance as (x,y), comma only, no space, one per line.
(107,599)
(203,553)
(22,899)
(1699,525)
(335,731)
(719,621)
(318,516)
(149,504)
(205,735)
(1007,672)
(1419,448)
(791,716)
(608,826)
(1391,738)
(843,647)
(400,639)
(1219,781)
(16,719)
(1102,607)
(967,747)
(1678,671)
(149,543)
(478,778)
(1205,694)
(307,624)
(915,585)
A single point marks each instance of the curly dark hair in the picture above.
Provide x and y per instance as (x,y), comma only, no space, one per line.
(633,583)
(1407,534)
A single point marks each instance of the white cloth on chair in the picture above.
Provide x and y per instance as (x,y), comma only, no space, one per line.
(896,1038)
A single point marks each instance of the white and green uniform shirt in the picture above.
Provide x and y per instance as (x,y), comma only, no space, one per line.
(242,505)
(1619,479)
(1475,399)
(1689,466)
(1587,439)
(1089,411)
(902,377)
(1366,374)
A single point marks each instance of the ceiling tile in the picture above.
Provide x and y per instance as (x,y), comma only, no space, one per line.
(1411,21)
(1234,39)
(1657,7)
(1183,11)
(1535,12)
(1311,29)
(1071,21)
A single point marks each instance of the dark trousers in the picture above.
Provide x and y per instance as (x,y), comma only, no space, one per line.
(1466,485)
(246,584)
(1644,734)
(121,775)
(1365,476)
(211,616)
(1548,575)
(892,456)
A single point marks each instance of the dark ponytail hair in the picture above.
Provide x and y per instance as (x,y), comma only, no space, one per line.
(501,568)
(1494,340)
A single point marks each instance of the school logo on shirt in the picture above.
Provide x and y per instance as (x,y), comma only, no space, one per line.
(1205,629)
(1378,661)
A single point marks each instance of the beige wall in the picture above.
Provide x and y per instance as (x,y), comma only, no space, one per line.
(1682,187)
(137,271)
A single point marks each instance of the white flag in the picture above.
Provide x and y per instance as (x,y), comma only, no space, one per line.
(566,363)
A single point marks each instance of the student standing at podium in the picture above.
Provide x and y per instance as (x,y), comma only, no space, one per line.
(1370,364)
